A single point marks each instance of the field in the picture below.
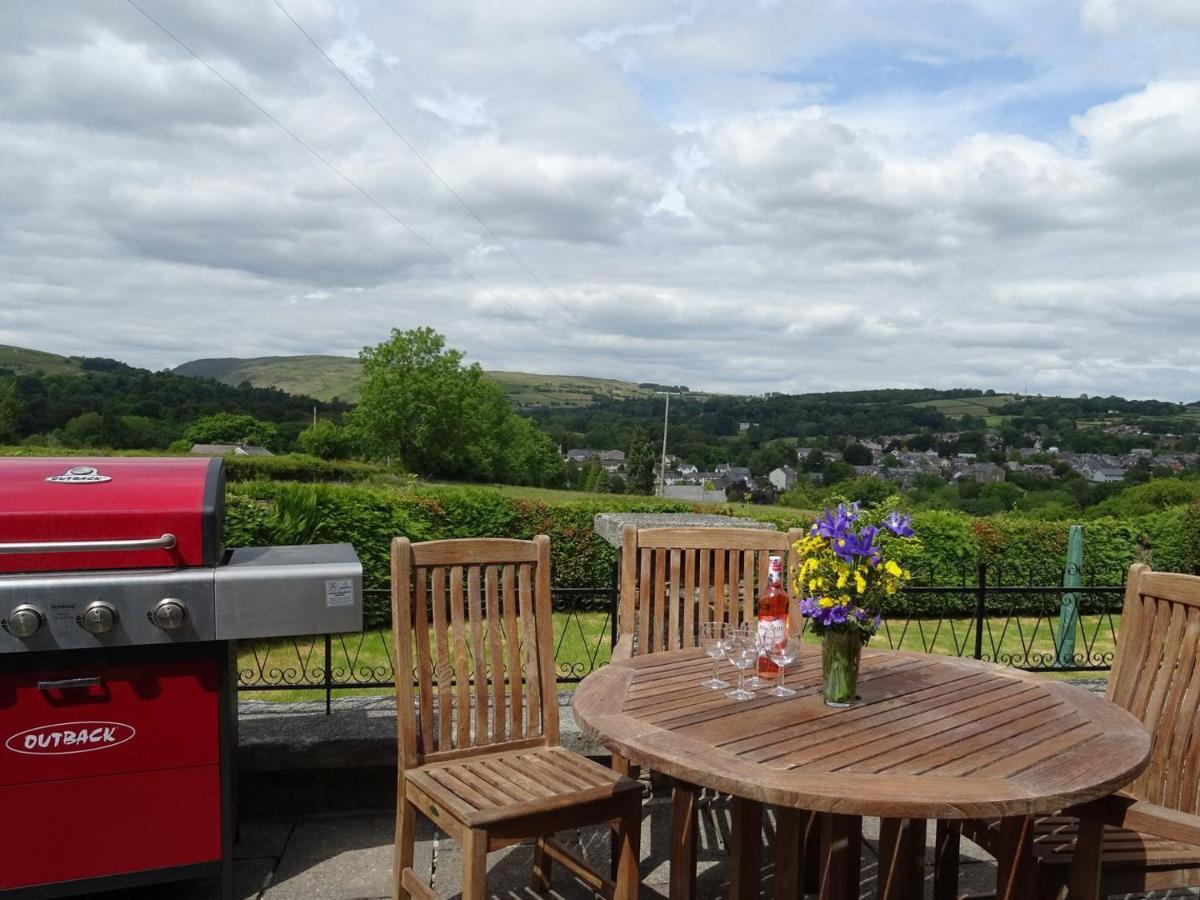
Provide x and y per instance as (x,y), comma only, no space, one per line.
(982,407)
(28,362)
(322,377)
(326,377)
(524,389)
(581,640)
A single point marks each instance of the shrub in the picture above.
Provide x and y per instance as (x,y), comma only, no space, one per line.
(951,544)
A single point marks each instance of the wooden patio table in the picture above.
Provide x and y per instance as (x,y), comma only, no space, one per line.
(931,737)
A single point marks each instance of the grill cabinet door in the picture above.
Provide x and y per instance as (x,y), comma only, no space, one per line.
(116,776)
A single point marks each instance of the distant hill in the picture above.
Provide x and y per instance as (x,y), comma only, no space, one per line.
(326,377)
(323,377)
(23,361)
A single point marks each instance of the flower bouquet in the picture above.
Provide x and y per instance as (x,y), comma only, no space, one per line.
(843,574)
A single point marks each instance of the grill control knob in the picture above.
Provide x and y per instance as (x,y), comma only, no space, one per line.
(168,614)
(98,618)
(25,621)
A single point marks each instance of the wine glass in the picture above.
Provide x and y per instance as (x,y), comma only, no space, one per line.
(783,653)
(753,634)
(714,639)
(742,654)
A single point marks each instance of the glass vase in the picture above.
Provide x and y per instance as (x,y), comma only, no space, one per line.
(840,653)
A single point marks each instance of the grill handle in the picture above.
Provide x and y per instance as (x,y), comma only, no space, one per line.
(165,542)
(67,684)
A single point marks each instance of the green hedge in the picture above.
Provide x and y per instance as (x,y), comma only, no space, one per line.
(368,516)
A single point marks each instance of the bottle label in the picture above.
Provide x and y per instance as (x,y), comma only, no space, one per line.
(772,630)
(775,570)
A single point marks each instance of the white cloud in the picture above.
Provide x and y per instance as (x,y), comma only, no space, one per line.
(767,197)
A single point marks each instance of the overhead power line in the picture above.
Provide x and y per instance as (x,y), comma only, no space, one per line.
(428,165)
(340,174)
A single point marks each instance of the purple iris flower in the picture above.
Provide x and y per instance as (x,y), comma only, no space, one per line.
(831,525)
(900,526)
(878,621)
(837,614)
(860,545)
(860,614)
(808,606)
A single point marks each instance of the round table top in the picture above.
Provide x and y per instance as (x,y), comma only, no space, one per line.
(930,737)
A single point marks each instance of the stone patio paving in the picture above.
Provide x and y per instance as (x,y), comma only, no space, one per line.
(348,856)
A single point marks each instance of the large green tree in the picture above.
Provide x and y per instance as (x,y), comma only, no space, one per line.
(421,405)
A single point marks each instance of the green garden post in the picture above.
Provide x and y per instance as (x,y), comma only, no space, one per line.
(1068,607)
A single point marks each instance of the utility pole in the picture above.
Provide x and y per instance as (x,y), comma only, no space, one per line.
(662,463)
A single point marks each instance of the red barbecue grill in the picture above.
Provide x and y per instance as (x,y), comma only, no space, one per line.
(118,612)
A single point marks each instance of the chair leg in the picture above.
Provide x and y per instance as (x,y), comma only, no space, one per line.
(621,766)
(540,882)
(474,863)
(406,823)
(684,798)
(945,860)
(1085,864)
(629,839)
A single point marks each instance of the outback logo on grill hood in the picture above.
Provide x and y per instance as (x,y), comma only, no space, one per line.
(70,737)
(79,475)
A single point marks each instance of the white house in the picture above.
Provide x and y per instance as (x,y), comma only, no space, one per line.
(782,478)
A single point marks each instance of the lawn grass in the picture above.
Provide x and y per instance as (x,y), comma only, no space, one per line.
(582,640)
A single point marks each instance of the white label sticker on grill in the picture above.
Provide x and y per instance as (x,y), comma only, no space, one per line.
(70,737)
(339,592)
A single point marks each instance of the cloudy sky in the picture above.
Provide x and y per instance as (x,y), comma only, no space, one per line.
(753,196)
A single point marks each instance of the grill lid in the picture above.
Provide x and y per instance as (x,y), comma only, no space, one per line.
(71,514)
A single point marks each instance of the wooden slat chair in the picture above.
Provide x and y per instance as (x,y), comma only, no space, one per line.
(478,724)
(1148,835)
(673,581)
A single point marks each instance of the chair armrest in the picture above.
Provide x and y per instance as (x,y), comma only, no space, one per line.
(1141,815)
(623,649)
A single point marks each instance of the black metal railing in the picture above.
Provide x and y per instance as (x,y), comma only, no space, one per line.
(318,665)
(989,611)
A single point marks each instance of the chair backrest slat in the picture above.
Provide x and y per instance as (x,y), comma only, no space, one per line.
(689,591)
(674,580)
(443,666)
(485,676)
(533,691)
(499,702)
(1156,676)
(424,678)
(478,654)
(516,725)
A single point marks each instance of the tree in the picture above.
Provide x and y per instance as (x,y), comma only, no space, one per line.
(593,479)
(530,456)
(639,463)
(421,405)
(857,455)
(10,410)
(230,428)
(325,440)
(85,430)
(814,461)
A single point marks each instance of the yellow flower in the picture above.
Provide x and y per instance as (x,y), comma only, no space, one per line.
(844,600)
(860,583)
(891,568)
(843,577)
(825,602)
